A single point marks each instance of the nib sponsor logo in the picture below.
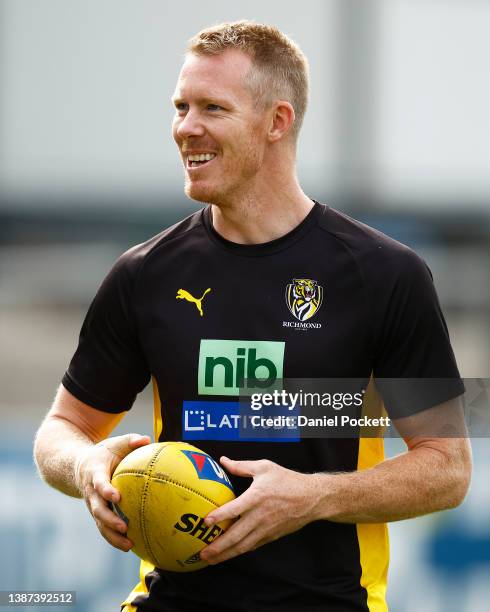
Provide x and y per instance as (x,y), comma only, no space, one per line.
(228,366)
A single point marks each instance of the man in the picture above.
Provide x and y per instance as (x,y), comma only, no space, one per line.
(267,276)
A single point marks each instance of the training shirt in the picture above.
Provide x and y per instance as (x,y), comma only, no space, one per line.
(197,313)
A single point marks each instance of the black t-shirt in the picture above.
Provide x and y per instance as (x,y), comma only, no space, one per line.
(331,299)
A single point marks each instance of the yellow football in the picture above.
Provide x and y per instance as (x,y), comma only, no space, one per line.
(167,489)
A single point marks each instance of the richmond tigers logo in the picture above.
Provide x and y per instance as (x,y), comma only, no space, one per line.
(304,298)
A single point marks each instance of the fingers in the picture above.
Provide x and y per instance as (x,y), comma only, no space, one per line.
(244,468)
(94,472)
(232,509)
(245,545)
(111,527)
(115,539)
(240,538)
(104,488)
(246,500)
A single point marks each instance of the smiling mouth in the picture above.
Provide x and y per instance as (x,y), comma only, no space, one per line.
(199,159)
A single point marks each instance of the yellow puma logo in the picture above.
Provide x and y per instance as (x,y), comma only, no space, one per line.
(182,294)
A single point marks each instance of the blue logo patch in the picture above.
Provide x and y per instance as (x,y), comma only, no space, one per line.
(231,421)
(207,468)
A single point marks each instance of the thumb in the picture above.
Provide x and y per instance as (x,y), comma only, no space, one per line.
(137,440)
(120,446)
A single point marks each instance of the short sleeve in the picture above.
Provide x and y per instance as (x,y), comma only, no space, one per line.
(108,368)
(411,339)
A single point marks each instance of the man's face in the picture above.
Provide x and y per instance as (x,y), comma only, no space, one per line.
(216,122)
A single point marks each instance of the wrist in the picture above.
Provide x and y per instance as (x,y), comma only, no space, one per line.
(78,470)
(325,495)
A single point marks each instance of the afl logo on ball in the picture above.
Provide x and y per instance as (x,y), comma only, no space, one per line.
(206,468)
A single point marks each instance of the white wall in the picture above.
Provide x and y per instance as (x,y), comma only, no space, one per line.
(432,122)
(86,86)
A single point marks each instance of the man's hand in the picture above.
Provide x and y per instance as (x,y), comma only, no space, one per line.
(93,478)
(278,502)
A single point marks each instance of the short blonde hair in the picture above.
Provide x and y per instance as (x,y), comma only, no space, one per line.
(281,67)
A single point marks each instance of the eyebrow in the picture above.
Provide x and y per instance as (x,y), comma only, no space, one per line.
(205,100)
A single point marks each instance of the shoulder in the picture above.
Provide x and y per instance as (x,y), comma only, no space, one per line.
(375,253)
(130,262)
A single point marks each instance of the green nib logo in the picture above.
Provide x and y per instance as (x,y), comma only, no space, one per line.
(227,366)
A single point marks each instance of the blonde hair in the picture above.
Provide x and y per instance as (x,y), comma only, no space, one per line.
(281,67)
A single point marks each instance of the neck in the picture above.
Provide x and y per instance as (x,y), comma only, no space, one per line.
(269,209)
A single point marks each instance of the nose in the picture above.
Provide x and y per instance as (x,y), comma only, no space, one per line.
(187,125)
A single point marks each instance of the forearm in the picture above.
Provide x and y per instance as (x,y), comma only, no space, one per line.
(58,447)
(418,482)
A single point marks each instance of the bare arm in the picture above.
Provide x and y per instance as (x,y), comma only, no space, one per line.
(74,455)
(69,429)
(433,475)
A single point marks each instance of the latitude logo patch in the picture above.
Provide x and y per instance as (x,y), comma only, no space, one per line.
(183,294)
(304,297)
(232,422)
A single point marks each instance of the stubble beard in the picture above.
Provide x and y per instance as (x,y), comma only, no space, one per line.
(223,192)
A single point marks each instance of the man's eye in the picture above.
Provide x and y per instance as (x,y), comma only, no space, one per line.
(214,107)
(181,106)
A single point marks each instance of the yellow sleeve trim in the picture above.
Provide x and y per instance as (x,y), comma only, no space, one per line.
(139,589)
(374,548)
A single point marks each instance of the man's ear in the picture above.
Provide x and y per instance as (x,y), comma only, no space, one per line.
(281,121)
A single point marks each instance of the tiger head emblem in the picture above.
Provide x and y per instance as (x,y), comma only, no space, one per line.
(304,297)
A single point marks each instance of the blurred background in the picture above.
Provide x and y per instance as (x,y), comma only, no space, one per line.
(397,135)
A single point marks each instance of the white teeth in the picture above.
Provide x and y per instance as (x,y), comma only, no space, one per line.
(201,157)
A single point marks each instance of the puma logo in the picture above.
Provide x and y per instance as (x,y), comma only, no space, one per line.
(182,294)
